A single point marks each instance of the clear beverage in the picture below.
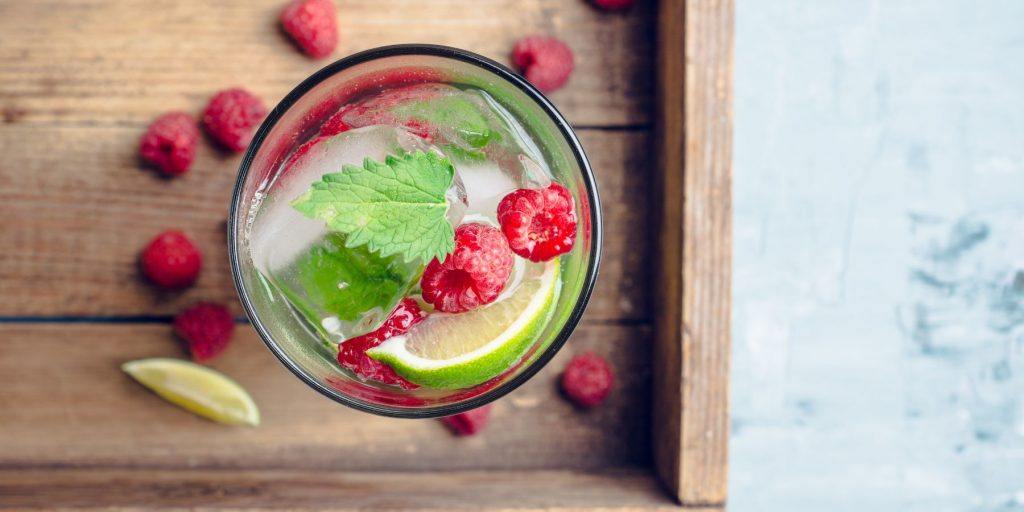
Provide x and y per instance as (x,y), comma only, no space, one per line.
(359,325)
(294,252)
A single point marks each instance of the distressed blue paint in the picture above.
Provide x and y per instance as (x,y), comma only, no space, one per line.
(879,256)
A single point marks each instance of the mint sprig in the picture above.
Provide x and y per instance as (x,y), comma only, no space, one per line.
(349,282)
(394,207)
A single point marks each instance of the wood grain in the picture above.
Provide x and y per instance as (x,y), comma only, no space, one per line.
(691,414)
(109,62)
(80,79)
(562,491)
(65,402)
(76,218)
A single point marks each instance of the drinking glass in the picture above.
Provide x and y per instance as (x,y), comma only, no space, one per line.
(297,117)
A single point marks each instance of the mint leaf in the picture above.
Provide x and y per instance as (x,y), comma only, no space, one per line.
(456,111)
(458,153)
(349,282)
(395,207)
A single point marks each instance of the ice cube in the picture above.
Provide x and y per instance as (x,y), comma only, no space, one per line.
(457,200)
(534,175)
(509,146)
(485,186)
(342,291)
(413,107)
(280,233)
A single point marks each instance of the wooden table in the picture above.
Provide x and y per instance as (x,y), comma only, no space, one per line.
(80,80)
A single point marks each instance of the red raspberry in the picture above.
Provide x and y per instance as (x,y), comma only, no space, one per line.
(546,61)
(352,352)
(313,25)
(614,5)
(373,394)
(469,422)
(336,123)
(232,116)
(171,260)
(170,143)
(473,274)
(207,328)
(587,380)
(539,224)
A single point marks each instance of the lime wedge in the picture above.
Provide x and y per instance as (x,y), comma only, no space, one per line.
(452,351)
(197,389)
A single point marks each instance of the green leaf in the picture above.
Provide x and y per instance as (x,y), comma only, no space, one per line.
(349,282)
(456,111)
(458,153)
(395,207)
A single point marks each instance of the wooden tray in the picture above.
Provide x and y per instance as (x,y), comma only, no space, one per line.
(79,81)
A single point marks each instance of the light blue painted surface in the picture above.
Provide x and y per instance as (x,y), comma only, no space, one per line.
(878,358)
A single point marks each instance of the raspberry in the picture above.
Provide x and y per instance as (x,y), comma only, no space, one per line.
(587,380)
(170,143)
(231,117)
(469,422)
(336,123)
(546,61)
(473,274)
(352,352)
(171,260)
(373,394)
(207,328)
(539,224)
(313,25)
(614,5)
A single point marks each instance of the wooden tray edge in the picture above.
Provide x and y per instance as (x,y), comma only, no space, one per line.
(692,344)
(134,488)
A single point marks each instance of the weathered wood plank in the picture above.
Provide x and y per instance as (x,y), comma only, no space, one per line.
(108,62)
(564,491)
(76,217)
(65,402)
(79,80)
(691,414)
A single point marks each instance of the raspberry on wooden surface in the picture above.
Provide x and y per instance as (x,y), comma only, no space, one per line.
(312,25)
(169,143)
(206,327)
(470,422)
(232,116)
(171,260)
(545,61)
(587,380)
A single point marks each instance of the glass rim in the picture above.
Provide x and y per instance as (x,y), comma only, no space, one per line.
(589,185)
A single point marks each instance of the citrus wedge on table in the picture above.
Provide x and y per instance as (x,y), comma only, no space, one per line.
(452,351)
(196,388)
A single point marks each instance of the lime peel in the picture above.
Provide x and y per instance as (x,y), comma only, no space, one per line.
(486,361)
(200,390)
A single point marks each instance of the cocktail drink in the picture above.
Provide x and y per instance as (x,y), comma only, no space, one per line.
(415,231)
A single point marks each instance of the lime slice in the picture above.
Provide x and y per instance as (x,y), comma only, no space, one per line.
(197,389)
(452,351)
